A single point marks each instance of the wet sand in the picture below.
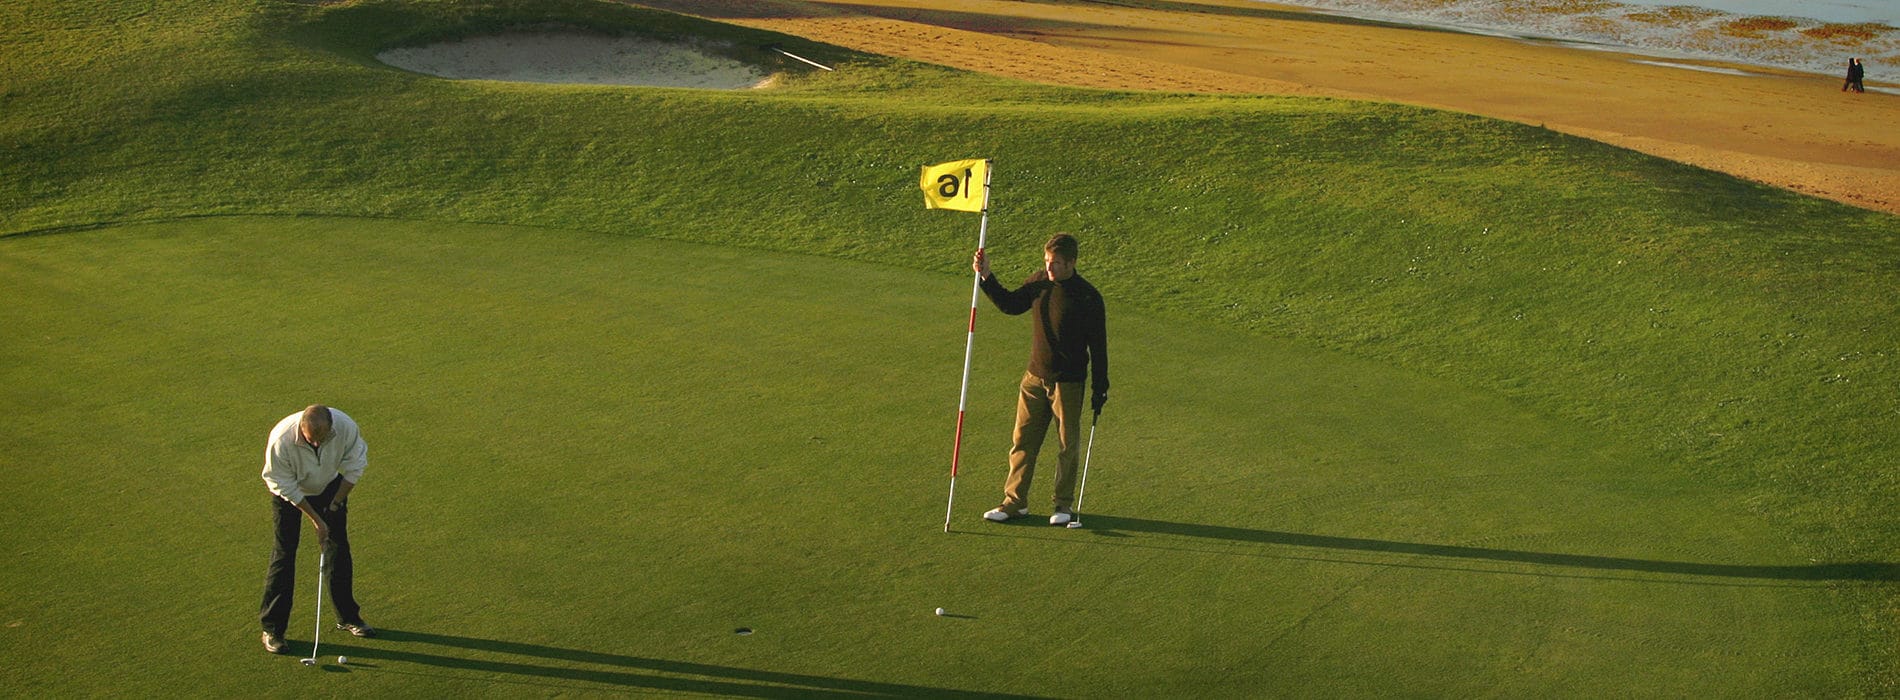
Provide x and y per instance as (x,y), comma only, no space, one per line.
(1791,130)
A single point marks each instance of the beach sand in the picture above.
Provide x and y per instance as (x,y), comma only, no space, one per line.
(1791,130)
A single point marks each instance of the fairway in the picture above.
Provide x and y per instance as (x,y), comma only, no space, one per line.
(593,458)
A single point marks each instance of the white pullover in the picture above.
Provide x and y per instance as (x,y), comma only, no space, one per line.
(293,469)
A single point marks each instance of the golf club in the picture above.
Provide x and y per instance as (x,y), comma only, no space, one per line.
(317,636)
(1083,489)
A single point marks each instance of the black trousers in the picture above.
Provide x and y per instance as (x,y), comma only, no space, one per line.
(280,581)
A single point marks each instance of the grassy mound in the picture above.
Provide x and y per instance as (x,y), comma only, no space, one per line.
(1709,339)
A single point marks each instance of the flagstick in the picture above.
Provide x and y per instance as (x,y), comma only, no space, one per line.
(976,287)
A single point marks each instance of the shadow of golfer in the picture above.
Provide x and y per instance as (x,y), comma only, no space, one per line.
(626,671)
(1857,571)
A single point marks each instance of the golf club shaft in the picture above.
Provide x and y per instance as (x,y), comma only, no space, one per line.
(1083,489)
(316,637)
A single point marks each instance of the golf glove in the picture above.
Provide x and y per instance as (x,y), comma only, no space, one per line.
(1096,401)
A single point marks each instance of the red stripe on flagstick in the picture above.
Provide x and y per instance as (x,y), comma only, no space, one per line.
(956,454)
(972,319)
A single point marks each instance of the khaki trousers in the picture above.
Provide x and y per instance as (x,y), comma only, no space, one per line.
(1038,401)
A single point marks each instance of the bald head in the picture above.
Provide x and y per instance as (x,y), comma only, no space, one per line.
(315,424)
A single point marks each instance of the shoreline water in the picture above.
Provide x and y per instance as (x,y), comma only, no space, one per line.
(1786,41)
(1838,11)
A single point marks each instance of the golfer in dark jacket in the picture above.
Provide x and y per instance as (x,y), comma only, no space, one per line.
(1070,345)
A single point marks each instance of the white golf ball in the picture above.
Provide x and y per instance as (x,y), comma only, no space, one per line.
(940,612)
(343,659)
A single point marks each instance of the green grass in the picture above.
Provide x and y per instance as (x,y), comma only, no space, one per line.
(593,460)
(1406,401)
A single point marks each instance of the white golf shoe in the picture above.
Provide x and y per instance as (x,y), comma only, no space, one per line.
(999,514)
(1062,517)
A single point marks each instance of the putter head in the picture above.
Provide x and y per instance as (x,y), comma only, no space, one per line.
(1075,524)
(309,662)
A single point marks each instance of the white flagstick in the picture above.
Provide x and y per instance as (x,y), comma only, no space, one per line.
(976,288)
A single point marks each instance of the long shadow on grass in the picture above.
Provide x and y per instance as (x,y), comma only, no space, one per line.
(627,671)
(1859,571)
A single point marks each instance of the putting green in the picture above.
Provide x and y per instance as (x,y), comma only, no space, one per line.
(593,458)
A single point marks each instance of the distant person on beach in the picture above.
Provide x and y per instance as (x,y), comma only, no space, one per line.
(1854,75)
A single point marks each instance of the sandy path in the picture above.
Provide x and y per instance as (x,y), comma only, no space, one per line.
(1790,130)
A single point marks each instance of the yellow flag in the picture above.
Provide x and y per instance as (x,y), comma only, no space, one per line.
(959,185)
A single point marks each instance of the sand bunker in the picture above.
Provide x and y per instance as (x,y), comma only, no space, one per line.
(576,57)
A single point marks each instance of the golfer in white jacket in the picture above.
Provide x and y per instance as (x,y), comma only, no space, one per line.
(315,457)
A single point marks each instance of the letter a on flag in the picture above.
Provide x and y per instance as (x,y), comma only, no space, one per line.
(956,185)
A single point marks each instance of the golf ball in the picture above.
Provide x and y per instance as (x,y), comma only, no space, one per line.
(343,659)
(940,612)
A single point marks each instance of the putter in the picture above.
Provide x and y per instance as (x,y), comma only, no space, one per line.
(1083,490)
(317,636)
